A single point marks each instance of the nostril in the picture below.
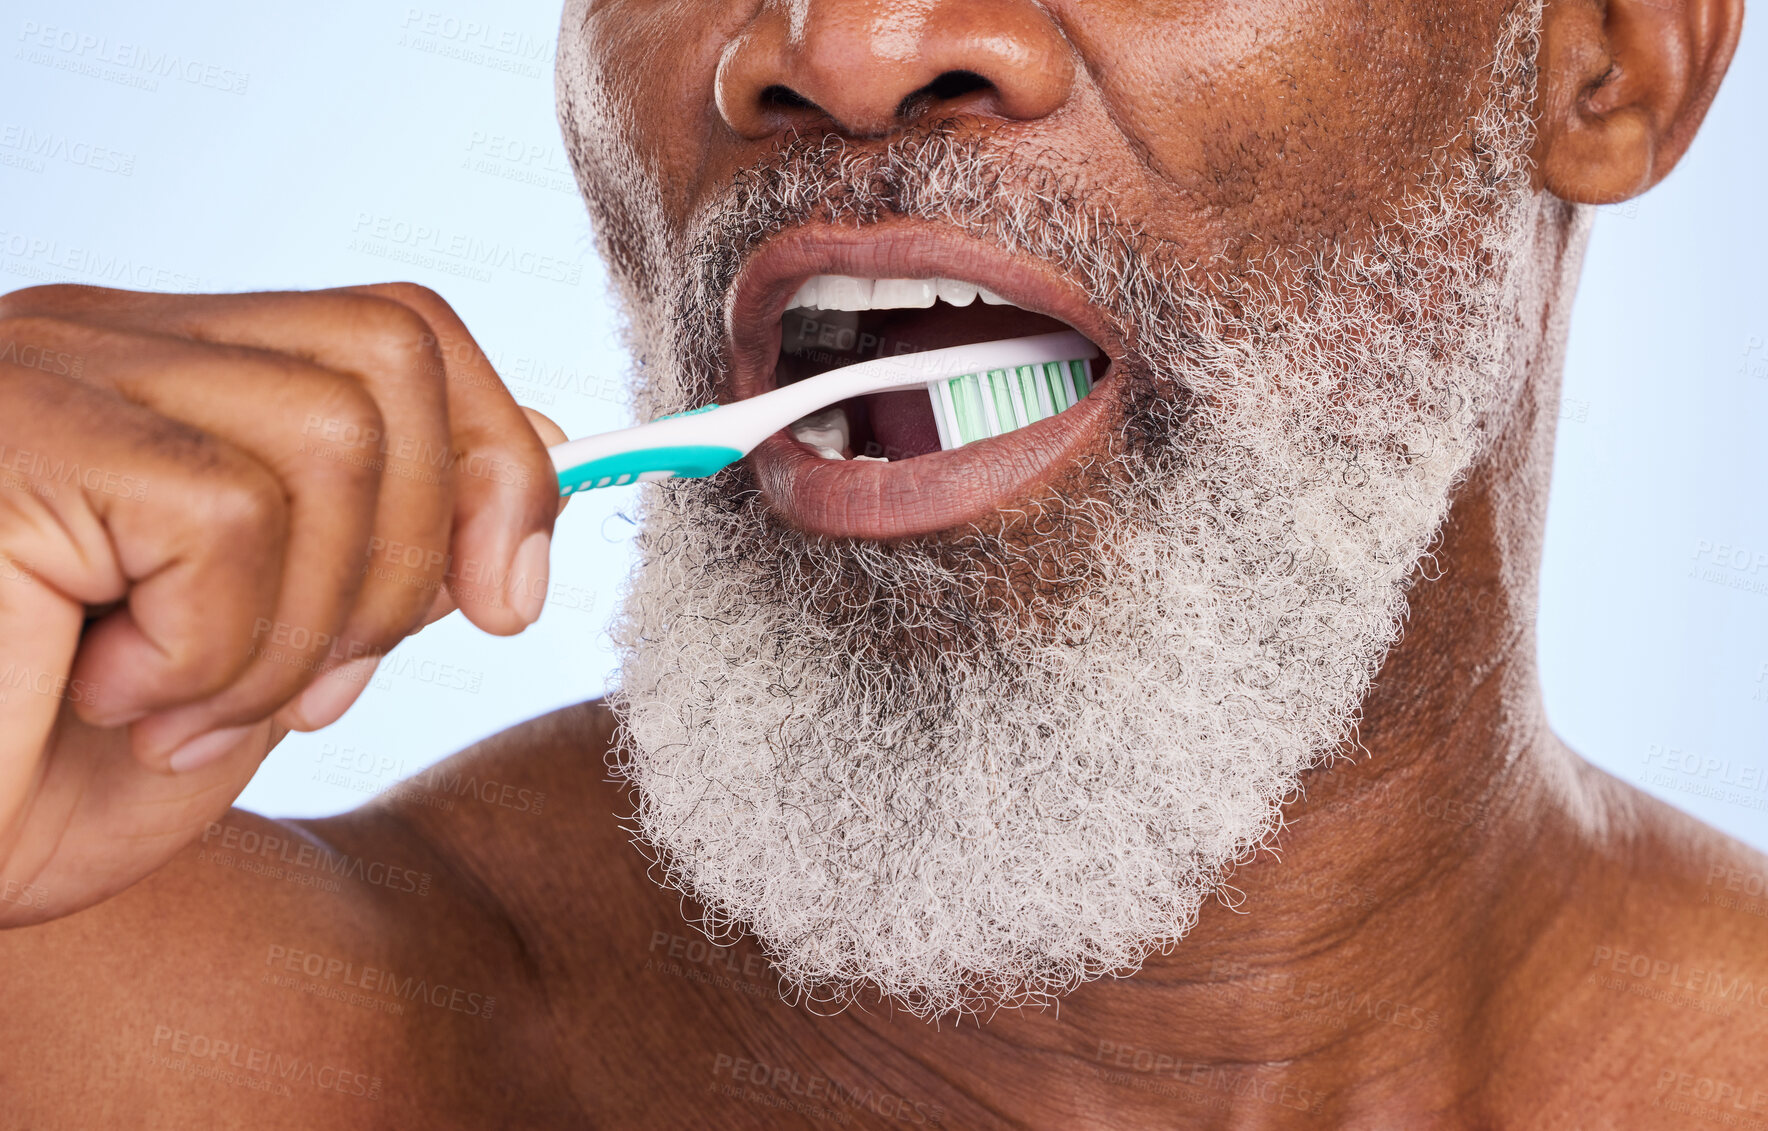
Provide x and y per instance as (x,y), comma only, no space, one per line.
(777,97)
(954,84)
(801,66)
(949,86)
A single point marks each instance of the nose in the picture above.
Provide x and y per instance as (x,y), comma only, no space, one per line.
(869,67)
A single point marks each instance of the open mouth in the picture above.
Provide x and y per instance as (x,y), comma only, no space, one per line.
(820,297)
(837,320)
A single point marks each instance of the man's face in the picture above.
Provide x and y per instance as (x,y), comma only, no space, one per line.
(976,725)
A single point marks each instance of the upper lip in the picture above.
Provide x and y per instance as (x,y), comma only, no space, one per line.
(886,250)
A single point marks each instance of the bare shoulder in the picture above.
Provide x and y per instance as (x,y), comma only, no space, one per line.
(345,972)
(1661,978)
(1696,894)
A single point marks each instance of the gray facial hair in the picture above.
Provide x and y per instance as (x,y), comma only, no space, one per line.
(980,768)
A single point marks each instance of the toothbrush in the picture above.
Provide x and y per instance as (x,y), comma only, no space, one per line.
(978,390)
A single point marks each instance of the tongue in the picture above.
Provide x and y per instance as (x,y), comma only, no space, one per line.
(902,423)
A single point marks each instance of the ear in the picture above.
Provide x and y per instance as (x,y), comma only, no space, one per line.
(1623,86)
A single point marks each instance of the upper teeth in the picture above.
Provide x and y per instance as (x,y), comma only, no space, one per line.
(846,292)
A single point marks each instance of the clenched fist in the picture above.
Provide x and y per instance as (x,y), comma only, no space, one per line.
(216,513)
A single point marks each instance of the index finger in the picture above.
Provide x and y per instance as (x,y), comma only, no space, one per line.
(506,494)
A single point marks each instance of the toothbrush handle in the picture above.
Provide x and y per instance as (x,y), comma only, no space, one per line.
(686,444)
(621,468)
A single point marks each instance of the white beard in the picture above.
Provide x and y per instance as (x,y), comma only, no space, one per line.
(846,750)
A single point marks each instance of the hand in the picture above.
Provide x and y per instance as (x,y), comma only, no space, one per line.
(217,512)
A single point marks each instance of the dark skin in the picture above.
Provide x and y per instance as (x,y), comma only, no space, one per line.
(1452,935)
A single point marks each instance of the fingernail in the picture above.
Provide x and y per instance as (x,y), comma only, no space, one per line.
(206,748)
(328,697)
(525,592)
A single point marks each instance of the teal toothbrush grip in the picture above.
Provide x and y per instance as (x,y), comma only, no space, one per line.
(616,470)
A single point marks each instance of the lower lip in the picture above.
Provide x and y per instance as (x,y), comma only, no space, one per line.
(929,493)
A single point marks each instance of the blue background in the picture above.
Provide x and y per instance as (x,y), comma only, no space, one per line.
(220,146)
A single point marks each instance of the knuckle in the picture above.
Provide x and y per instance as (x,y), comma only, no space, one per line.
(342,408)
(202,662)
(398,624)
(539,482)
(514,466)
(47,296)
(385,316)
(414,294)
(244,501)
(378,630)
(399,340)
(26,327)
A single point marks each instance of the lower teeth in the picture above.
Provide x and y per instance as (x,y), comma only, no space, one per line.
(826,432)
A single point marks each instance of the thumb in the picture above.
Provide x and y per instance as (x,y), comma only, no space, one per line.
(543,426)
(550,433)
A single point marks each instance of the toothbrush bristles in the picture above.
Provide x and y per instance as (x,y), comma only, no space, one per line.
(977,406)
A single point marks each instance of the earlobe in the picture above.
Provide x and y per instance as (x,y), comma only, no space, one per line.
(1624,85)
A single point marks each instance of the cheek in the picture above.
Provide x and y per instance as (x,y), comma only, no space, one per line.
(1275,123)
(636,96)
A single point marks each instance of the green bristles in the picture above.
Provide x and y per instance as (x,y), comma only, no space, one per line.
(979,405)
